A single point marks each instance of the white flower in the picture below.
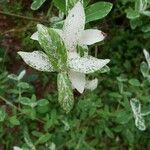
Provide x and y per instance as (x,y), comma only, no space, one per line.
(73,34)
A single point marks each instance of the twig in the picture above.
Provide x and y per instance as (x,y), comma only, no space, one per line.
(16,29)
(23,17)
(50,9)
(96,51)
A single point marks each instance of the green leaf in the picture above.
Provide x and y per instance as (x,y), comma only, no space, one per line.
(37,4)
(146,13)
(134,82)
(43,139)
(65,94)
(43,109)
(115,95)
(60,4)
(23,85)
(146,28)
(109,133)
(97,11)
(53,46)
(14,121)
(122,117)
(129,136)
(31,113)
(2,114)
(122,79)
(42,102)
(145,111)
(28,102)
(134,23)
(132,14)
(140,5)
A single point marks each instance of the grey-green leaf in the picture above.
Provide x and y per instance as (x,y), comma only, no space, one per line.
(65,93)
(97,11)
(37,4)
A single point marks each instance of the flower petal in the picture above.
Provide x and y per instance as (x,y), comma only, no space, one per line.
(34,36)
(87,64)
(37,60)
(78,80)
(74,26)
(91,84)
(91,36)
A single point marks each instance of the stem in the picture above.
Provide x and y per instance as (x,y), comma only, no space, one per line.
(66,7)
(50,9)
(7,102)
(23,17)
(16,29)
(12,105)
(96,51)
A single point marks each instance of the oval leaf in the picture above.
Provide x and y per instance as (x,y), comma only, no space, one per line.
(53,45)
(37,60)
(37,4)
(65,94)
(97,11)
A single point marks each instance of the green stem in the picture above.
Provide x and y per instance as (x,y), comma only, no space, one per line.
(50,9)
